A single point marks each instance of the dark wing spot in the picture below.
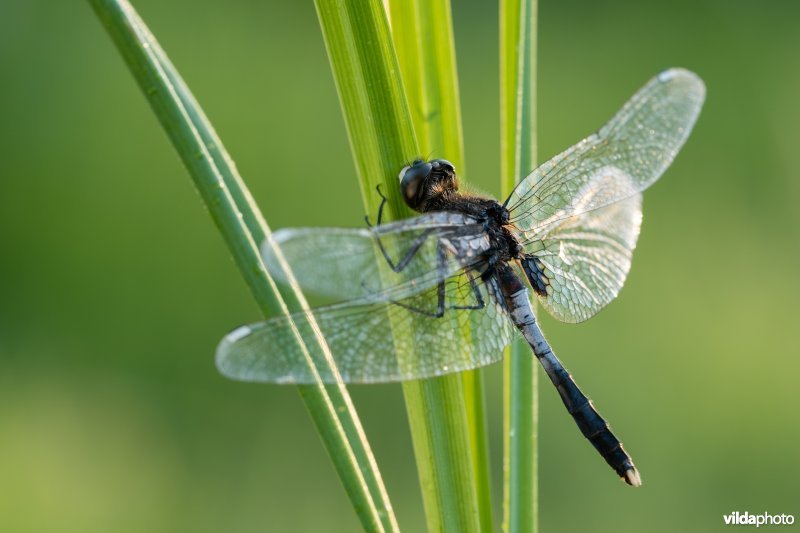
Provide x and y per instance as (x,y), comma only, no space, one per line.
(534,270)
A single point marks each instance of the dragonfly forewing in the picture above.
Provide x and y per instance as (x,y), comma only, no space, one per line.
(625,156)
(391,261)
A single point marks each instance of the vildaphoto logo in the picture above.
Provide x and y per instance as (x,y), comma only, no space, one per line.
(746,519)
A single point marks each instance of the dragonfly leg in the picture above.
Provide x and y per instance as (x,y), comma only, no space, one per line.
(380,208)
(440,289)
(438,313)
(476,291)
(412,251)
(415,246)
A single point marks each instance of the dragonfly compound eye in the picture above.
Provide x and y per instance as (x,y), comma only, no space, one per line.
(444,165)
(412,182)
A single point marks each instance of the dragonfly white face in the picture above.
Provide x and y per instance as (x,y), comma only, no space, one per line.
(568,229)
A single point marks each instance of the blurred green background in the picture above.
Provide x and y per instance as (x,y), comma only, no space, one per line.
(115,287)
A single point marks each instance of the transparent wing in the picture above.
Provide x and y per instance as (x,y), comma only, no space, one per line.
(349,263)
(584,261)
(622,159)
(374,341)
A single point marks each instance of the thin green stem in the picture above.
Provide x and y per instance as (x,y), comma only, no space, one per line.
(518,156)
(243,229)
(381,131)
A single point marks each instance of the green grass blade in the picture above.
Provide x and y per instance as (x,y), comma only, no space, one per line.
(373,103)
(243,228)
(382,138)
(518,156)
(423,35)
(438,420)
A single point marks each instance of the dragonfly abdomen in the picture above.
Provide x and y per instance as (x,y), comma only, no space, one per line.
(593,426)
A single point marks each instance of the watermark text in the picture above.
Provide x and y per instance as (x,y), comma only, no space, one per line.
(765,519)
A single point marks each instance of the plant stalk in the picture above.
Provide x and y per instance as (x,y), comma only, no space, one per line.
(518,20)
(382,138)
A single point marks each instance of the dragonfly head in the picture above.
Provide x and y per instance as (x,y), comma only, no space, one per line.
(423,180)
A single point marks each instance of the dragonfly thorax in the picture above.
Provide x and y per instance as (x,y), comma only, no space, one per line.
(429,186)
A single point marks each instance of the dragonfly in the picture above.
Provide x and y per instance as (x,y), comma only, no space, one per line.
(447,290)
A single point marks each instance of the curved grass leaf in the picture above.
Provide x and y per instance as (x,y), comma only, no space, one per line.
(243,228)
